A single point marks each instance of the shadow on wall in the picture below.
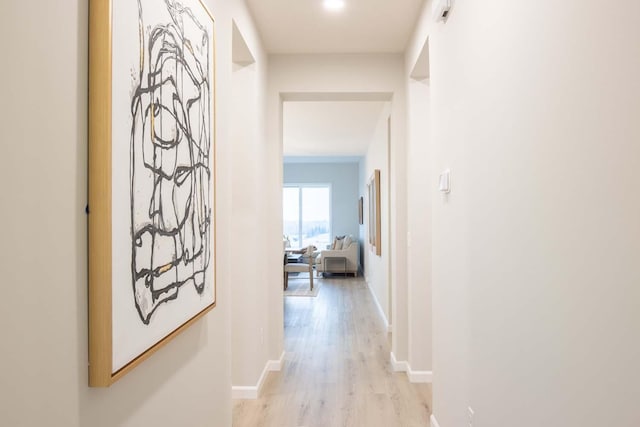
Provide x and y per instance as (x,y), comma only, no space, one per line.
(118,404)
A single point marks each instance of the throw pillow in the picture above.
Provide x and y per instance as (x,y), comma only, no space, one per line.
(347,242)
(338,243)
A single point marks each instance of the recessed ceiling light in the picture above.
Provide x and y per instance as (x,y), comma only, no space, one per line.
(333,4)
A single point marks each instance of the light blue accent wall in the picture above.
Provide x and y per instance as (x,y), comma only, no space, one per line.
(344,181)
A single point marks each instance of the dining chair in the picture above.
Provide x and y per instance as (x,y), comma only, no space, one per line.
(297,267)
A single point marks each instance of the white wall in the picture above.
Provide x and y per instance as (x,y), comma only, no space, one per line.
(376,270)
(337,77)
(420,193)
(43,258)
(249,314)
(343,179)
(535,109)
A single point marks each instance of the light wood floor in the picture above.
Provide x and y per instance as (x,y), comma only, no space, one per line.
(336,371)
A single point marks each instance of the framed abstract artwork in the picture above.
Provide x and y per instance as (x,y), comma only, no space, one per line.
(151,178)
(375,225)
(360,211)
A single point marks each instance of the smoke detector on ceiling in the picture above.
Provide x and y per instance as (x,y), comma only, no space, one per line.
(441,9)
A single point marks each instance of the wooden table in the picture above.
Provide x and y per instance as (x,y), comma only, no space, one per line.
(293,257)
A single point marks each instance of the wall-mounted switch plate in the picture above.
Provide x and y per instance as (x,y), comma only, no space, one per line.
(444,182)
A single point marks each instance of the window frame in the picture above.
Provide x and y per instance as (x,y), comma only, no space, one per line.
(300,186)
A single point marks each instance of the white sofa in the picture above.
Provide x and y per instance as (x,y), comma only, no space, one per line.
(350,253)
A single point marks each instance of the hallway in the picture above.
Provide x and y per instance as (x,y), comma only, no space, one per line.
(336,370)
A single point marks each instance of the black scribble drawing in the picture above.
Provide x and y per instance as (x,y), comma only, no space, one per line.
(170,156)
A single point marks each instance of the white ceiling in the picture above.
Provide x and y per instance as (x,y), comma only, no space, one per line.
(333,128)
(329,128)
(363,26)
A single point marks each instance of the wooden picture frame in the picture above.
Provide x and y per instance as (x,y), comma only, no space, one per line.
(151,178)
(375,225)
(361,210)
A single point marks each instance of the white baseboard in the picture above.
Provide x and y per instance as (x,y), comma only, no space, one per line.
(399,366)
(434,422)
(244,392)
(414,376)
(253,392)
(380,310)
(275,365)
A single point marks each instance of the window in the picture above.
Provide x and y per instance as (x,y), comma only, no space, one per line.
(306,213)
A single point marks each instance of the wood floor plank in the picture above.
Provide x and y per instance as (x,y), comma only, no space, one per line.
(336,371)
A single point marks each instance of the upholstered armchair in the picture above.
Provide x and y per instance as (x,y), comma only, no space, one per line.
(342,259)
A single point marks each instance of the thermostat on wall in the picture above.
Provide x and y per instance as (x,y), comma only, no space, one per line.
(441,9)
